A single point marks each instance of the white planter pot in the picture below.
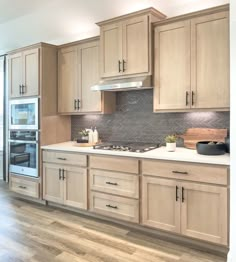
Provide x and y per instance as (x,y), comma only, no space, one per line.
(170,147)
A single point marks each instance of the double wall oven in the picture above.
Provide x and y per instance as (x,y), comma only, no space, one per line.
(24,137)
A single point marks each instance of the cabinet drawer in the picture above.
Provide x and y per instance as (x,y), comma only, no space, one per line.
(114,206)
(186,171)
(115,164)
(25,187)
(115,183)
(64,158)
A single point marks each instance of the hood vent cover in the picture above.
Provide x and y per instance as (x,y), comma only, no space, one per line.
(134,83)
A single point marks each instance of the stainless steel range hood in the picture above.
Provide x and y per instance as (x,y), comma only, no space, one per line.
(134,83)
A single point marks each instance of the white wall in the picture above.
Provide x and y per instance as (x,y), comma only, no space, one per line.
(232,253)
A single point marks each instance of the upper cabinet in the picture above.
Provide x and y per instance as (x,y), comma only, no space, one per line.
(126,44)
(192,63)
(24,73)
(78,70)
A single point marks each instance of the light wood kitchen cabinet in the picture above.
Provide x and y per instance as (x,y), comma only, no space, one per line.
(75,187)
(172,71)
(52,183)
(67,79)
(126,44)
(24,73)
(78,71)
(188,208)
(210,61)
(204,212)
(192,63)
(65,185)
(160,203)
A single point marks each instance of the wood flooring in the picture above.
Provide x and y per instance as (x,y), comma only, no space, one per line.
(32,232)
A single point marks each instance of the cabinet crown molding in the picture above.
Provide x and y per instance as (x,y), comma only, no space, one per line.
(147,11)
(208,11)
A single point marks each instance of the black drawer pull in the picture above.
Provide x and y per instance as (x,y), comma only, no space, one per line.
(176,193)
(22,187)
(179,172)
(113,184)
(61,158)
(183,194)
(110,206)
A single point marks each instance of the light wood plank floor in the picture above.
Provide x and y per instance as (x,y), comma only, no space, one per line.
(31,232)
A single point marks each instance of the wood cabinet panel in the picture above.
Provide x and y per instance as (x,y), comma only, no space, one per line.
(111,49)
(204,213)
(135,45)
(15,73)
(161,203)
(172,66)
(75,187)
(24,186)
(64,158)
(91,101)
(114,206)
(210,61)
(31,72)
(186,171)
(115,164)
(114,183)
(52,184)
(67,79)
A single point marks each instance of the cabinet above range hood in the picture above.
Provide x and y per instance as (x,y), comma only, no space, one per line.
(126,84)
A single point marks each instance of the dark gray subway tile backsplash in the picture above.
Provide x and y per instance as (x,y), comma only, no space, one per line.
(134,120)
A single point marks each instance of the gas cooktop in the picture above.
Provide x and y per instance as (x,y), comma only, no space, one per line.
(127,146)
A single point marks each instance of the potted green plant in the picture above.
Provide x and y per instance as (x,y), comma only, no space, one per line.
(84,134)
(171,143)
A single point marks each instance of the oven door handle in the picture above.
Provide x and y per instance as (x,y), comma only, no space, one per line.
(24,141)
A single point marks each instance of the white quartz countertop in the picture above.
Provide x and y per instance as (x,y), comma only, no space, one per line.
(181,154)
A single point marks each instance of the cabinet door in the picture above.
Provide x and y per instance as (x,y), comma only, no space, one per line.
(67,80)
(172,66)
(90,101)
(30,61)
(111,50)
(75,187)
(52,184)
(15,74)
(161,203)
(204,212)
(135,46)
(210,61)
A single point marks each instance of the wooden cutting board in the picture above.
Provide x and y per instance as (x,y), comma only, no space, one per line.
(194,135)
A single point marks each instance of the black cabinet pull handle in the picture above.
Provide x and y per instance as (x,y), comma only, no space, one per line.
(63,174)
(110,183)
(187,94)
(183,194)
(192,98)
(110,206)
(22,187)
(75,104)
(123,65)
(119,64)
(179,172)
(176,193)
(61,158)
(23,89)
(20,86)
(78,104)
(59,173)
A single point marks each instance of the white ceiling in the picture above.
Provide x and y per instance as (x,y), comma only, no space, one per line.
(25,22)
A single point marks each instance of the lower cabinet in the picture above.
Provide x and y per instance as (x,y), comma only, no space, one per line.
(192,209)
(65,185)
(24,185)
(115,206)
